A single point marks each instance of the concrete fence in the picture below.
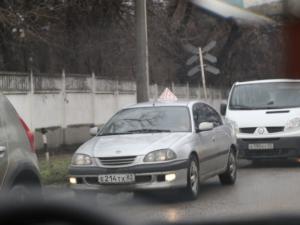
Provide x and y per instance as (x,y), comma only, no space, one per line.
(67,105)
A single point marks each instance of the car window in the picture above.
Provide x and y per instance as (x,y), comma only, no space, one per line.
(213,116)
(204,113)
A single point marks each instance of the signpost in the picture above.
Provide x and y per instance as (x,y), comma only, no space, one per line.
(202,54)
(209,46)
(202,73)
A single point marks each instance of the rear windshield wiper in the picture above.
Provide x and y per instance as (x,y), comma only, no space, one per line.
(149,131)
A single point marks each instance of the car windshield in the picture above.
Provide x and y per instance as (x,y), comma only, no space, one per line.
(277,95)
(149,120)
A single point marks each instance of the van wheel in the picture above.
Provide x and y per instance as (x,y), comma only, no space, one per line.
(192,188)
(229,176)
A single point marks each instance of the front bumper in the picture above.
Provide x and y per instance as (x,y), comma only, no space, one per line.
(147,177)
(284,147)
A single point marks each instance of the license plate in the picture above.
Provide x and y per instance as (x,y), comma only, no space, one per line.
(261,146)
(116,179)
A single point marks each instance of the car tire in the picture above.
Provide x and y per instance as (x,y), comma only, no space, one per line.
(192,188)
(229,176)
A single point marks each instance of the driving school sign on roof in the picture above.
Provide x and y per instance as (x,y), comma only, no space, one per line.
(167,95)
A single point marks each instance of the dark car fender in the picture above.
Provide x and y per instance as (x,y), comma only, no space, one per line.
(24,173)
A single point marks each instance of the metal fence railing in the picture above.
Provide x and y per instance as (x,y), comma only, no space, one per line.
(17,82)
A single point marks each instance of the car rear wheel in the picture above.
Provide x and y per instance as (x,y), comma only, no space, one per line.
(229,176)
(192,188)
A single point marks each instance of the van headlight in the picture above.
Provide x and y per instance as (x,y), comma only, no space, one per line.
(160,155)
(292,124)
(82,160)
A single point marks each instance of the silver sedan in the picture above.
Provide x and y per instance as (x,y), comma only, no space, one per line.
(157,145)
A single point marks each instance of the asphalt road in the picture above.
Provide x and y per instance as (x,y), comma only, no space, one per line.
(260,189)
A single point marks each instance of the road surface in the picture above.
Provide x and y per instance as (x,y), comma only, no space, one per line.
(261,189)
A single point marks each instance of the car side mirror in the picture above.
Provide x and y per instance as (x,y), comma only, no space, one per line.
(94,131)
(223,108)
(205,126)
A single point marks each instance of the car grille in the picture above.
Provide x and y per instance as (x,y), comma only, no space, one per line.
(275,129)
(143,178)
(260,140)
(251,130)
(248,130)
(273,152)
(91,180)
(117,161)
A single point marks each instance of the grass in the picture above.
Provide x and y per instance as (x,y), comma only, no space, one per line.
(56,170)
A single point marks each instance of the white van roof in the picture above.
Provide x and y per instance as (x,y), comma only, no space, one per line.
(267,81)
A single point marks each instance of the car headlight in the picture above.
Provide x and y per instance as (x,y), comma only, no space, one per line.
(160,155)
(81,160)
(293,124)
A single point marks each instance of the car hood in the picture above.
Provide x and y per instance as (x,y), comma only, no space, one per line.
(131,144)
(262,118)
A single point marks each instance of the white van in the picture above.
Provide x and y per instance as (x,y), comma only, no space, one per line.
(267,118)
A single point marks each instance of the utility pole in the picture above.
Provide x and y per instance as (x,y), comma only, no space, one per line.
(142,70)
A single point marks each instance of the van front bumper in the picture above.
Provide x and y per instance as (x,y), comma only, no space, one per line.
(147,177)
(284,147)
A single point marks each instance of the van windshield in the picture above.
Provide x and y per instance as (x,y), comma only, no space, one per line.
(277,95)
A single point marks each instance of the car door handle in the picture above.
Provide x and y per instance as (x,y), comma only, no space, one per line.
(213,139)
(2,151)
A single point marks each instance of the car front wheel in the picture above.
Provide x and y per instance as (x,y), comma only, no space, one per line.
(192,188)
(229,176)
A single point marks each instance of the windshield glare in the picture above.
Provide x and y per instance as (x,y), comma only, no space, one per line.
(265,96)
(149,119)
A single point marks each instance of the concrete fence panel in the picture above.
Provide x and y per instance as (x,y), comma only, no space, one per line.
(105,106)
(46,110)
(78,109)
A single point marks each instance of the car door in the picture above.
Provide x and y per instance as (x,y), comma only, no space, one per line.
(206,145)
(221,138)
(3,143)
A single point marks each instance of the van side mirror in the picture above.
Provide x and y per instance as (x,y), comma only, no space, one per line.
(223,108)
(205,126)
